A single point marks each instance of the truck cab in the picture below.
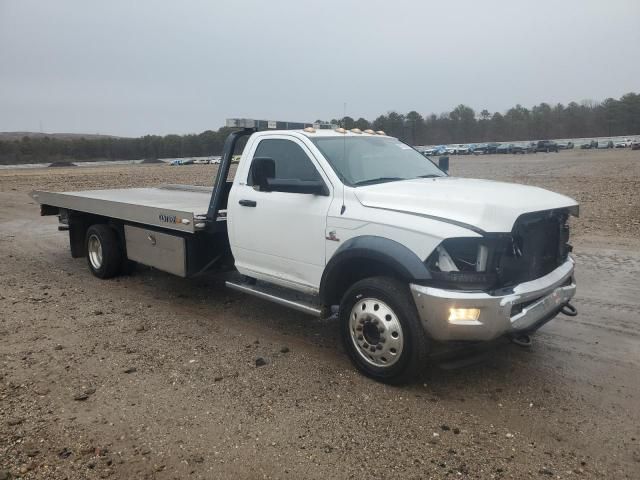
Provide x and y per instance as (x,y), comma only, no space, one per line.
(328,220)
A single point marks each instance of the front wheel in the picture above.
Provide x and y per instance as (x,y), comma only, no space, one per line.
(381,330)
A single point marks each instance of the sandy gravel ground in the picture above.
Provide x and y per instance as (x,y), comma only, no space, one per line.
(151,376)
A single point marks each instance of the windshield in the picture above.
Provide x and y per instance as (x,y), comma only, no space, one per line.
(368,160)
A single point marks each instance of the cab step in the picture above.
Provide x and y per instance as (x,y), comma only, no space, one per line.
(282,296)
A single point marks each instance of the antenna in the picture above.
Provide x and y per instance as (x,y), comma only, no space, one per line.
(344,152)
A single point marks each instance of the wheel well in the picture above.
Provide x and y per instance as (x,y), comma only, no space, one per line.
(79,223)
(352,271)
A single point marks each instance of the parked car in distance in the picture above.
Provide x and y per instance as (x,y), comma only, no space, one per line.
(502,148)
(565,145)
(492,147)
(546,146)
(520,148)
(465,149)
(635,145)
(431,151)
(461,149)
(623,143)
(435,150)
(603,144)
(480,149)
(200,161)
(451,150)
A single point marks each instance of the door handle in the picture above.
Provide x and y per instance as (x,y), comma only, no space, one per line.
(248,203)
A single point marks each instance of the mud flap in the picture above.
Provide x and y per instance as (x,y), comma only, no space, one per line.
(77,231)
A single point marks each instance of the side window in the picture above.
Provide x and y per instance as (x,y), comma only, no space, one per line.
(291,162)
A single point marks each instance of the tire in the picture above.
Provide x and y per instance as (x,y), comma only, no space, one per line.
(381,330)
(104,252)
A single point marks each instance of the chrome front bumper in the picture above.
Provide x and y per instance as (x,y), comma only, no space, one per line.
(541,298)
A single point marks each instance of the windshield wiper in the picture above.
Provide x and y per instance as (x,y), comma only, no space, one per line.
(377,180)
(430,175)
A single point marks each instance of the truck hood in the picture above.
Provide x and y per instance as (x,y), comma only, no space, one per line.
(481,205)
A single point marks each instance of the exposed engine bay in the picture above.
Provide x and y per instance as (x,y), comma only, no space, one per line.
(537,245)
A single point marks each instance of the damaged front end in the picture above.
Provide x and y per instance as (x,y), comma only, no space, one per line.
(536,246)
(499,284)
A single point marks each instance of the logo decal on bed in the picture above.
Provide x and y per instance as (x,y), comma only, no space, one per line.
(169,218)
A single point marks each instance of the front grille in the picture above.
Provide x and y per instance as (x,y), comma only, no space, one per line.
(538,246)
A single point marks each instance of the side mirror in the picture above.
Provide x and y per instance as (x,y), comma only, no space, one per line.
(293,185)
(443,164)
(262,169)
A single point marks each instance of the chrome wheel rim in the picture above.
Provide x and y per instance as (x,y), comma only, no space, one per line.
(376,332)
(94,250)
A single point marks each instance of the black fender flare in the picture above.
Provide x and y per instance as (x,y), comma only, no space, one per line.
(398,259)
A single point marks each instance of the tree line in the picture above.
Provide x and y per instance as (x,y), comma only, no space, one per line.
(610,117)
(464,125)
(51,149)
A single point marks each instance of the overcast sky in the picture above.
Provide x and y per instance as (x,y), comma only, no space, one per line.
(137,67)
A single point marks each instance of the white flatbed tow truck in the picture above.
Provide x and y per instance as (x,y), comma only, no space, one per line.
(330,220)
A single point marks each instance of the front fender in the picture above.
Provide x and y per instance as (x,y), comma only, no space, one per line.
(392,257)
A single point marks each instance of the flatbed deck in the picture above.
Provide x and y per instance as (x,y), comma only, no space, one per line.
(174,207)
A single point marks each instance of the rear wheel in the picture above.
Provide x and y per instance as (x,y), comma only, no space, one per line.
(381,330)
(104,253)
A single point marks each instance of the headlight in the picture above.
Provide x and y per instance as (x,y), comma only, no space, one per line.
(466,263)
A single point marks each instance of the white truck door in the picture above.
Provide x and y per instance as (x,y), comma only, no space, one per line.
(280,236)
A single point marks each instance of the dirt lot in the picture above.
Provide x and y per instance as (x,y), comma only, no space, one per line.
(151,376)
